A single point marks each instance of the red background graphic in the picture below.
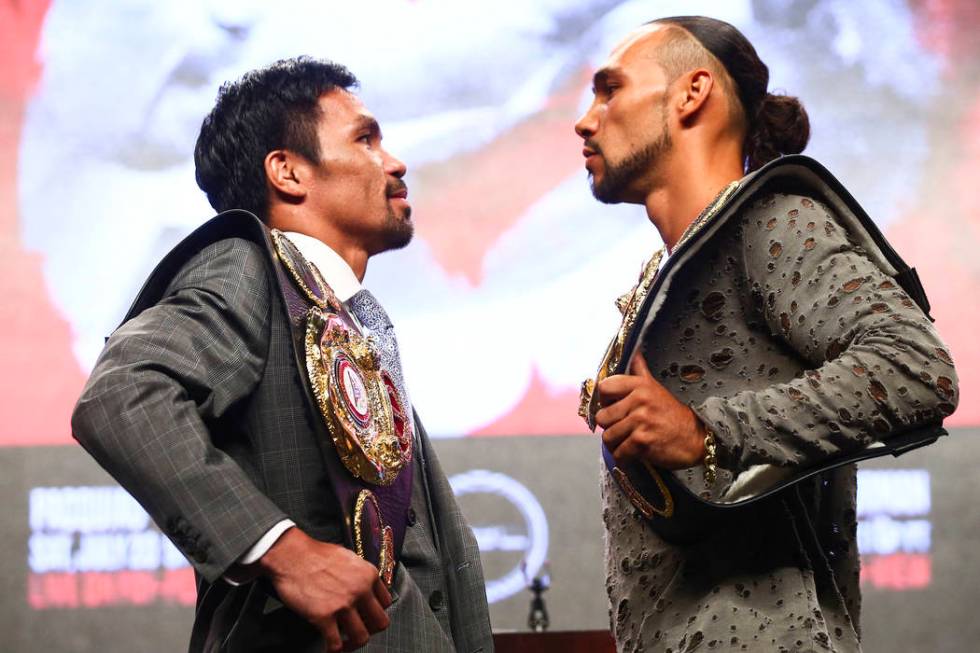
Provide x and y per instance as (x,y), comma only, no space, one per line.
(939,233)
(41,378)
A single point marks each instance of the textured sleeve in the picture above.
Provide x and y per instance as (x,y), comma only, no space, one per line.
(875,364)
(162,378)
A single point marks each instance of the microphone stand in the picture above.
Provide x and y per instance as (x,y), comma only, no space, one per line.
(537,619)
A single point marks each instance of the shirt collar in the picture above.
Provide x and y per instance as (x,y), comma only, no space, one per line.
(334,269)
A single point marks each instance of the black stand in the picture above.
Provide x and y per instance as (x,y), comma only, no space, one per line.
(537,619)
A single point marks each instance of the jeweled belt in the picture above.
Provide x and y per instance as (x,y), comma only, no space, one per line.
(366,440)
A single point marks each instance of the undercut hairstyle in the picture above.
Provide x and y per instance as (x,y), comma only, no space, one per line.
(272,108)
(679,52)
(774,124)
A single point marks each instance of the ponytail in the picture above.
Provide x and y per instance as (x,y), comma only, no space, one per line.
(780,125)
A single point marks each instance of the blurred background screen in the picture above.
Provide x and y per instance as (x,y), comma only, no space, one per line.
(503,302)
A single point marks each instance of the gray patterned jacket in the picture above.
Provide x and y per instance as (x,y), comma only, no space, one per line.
(792,345)
(196,407)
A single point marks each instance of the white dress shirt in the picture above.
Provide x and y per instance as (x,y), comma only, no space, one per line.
(335,270)
(344,283)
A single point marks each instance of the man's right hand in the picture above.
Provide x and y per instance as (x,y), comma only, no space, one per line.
(330,586)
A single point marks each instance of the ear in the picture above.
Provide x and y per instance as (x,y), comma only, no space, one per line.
(695,88)
(287,173)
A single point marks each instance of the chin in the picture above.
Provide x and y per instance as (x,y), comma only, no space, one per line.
(397,241)
(398,231)
(605,195)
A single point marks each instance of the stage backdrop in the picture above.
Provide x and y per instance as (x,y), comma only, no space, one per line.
(504,301)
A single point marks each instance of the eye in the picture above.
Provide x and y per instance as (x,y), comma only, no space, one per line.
(364,138)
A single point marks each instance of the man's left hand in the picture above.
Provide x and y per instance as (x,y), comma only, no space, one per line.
(642,421)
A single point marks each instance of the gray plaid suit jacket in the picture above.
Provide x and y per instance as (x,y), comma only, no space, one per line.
(196,407)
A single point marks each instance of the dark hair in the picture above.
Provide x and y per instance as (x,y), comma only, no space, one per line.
(775,124)
(267,109)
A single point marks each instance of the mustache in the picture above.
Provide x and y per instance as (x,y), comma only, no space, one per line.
(395,186)
(592,145)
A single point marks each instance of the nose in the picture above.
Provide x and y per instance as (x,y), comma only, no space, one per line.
(588,124)
(394,166)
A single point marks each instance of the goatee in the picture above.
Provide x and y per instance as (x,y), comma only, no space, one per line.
(618,176)
(398,231)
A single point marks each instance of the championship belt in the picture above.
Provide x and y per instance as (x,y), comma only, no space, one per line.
(671,508)
(630,304)
(366,424)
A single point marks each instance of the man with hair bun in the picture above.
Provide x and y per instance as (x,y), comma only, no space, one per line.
(779,339)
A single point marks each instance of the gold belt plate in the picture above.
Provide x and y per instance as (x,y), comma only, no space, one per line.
(629,306)
(353,399)
(372,537)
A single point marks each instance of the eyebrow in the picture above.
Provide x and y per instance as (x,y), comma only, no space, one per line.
(367,123)
(601,76)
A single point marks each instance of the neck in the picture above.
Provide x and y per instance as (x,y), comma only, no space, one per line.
(356,257)
(355,254)
(689,186)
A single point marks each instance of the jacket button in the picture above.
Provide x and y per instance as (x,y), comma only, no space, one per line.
(200,556)
(435,601)
(411,518)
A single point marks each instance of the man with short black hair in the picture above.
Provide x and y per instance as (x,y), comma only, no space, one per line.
(253,400)
(781,337)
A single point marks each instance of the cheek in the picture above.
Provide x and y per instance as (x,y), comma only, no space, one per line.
(375,192)
(614,140)
(632,136)
(621,126)
(373,178)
